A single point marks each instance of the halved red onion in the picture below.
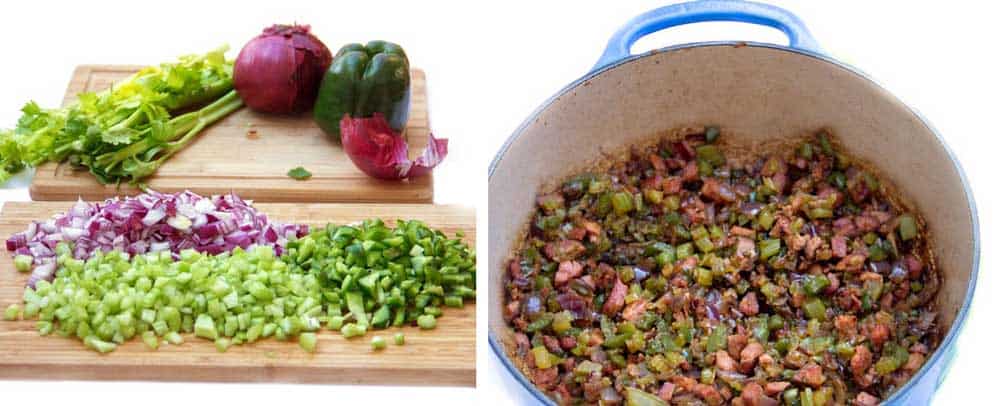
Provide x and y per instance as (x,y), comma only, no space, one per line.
(150,222)
(380,152)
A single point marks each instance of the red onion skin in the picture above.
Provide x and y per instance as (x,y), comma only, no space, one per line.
(378,151)
(280,70)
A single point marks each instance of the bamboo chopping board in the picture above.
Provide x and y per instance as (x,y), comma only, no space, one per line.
(442,356)
(224,158)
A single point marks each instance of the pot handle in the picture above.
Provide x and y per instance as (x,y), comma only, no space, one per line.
(620,44)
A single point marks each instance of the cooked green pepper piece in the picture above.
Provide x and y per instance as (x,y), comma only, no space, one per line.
(815,309)
(636,397)
(907,227)
(769,248)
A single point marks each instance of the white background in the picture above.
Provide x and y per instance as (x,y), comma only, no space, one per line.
(488,66)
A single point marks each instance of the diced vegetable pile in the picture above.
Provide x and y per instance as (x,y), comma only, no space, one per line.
(247,286)
(681,277)
(149,222)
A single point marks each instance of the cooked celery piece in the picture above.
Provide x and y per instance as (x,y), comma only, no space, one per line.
(352,278)
(308,342)
(378,343)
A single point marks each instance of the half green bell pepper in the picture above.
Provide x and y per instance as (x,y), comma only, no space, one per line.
(364,80)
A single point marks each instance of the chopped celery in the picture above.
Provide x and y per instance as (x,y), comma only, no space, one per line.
(173,338)
(222,344)
(308,342)
(352,330)
(204,327)
(11,312)
(151,340)
(372,275)
(378,343)
(23,263)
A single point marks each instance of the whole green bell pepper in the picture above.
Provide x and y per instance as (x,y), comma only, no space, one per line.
(364,80)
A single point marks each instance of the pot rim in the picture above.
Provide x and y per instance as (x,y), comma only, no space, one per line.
(957,325)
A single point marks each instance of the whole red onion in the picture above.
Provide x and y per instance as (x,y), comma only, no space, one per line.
(279,71)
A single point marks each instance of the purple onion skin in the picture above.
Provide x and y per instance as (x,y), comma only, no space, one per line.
(280,70)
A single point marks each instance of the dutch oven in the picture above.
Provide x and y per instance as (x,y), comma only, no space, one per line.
(758,93)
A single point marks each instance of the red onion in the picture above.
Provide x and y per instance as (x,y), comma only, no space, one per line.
(279,71)
(150,222)
(377,150)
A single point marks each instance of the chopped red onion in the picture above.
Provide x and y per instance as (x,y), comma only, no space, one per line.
(151,222)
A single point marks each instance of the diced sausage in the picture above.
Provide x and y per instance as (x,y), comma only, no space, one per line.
(672,185)
(861,360)
(551,344)
(616,299)
(564,250)
(865,399)
(851,263)
(567,271)
(724,362)
(741,231)
(567,342)
(708,393)
(666,391)
(839,245)
(748,357)
(684,382)
(846,324)
(635,309)
(811,374)
(718,191)
(914,363)
(690,172)
(752,394)
(749,306)
(735,344)
(878,334)
(657,163)
(576,233)
(774,388)
(544,378)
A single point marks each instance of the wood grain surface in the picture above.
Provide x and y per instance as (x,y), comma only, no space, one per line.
(443,356)
(224,158)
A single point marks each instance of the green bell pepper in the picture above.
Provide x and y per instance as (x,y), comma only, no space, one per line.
(364,80)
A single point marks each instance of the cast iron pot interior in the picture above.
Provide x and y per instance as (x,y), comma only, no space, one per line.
(757,93)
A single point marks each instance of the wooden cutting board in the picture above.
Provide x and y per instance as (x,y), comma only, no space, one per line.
(224,158)
(443,356)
